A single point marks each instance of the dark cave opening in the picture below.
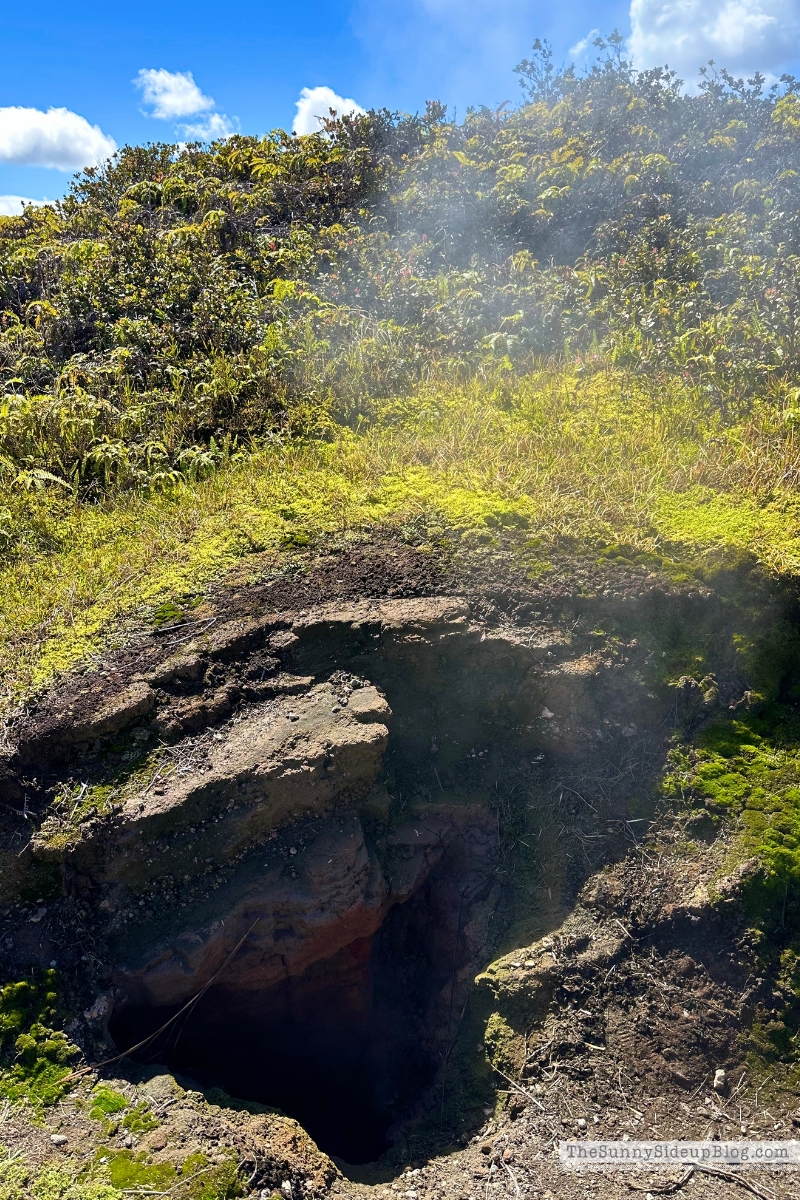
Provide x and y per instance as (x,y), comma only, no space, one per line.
(351,1047)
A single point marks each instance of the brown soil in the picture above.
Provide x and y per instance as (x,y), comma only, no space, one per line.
(613,999)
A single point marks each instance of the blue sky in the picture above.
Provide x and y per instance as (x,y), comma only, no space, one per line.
(249,62)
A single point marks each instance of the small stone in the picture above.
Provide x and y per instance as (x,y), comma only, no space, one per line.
(292,717)
(547,714)
(58,1139)
(720,1080)
(53,963)
(336,708)
(581,1123)
(286,1187)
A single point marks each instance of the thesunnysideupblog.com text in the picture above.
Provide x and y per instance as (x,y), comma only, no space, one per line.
(585,1155)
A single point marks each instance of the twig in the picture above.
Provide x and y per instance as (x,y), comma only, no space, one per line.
(734,1178)
(131,1049)
(81,794)
(663,1189)
(511,1173)
(519,1089)
(256,1170)
(141,1192)
(667,1189)
(179,641)
(174,628)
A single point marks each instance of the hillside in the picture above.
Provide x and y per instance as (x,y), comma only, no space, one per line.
(426,475)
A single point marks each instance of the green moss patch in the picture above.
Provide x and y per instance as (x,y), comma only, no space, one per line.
(195,1179)
(34,1052)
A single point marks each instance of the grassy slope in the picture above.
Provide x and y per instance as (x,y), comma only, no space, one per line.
(589,460)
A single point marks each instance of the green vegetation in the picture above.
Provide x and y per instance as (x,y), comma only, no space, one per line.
(106,1101)
(575,319)
(33,1054)
(196,1179)
(546,460)
(18,1181)
(744,774)
(111,1174)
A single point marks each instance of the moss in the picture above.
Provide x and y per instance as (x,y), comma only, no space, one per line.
(130,1169)
(139,1120)
(75,803)
(104,1101)
(19,1181)
(33,1053)
(745,772)
(195,1179)
(503,1044)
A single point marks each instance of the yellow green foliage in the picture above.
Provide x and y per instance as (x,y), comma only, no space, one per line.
(606,460)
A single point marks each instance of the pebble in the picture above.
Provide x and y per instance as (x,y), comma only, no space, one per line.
(581,1123)
(58,1139)
(720,1078)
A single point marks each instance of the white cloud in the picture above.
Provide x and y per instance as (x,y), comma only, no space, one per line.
(11,206)
(742,35)
(172,93)
(213,126)
(580,48)
(315,104)
(56,138)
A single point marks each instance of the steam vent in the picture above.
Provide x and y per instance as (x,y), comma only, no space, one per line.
(400,614)
(305,896)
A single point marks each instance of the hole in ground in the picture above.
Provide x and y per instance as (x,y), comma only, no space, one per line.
(512,770)
(350,1047)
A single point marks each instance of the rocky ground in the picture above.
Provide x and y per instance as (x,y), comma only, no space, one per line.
(250,756)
